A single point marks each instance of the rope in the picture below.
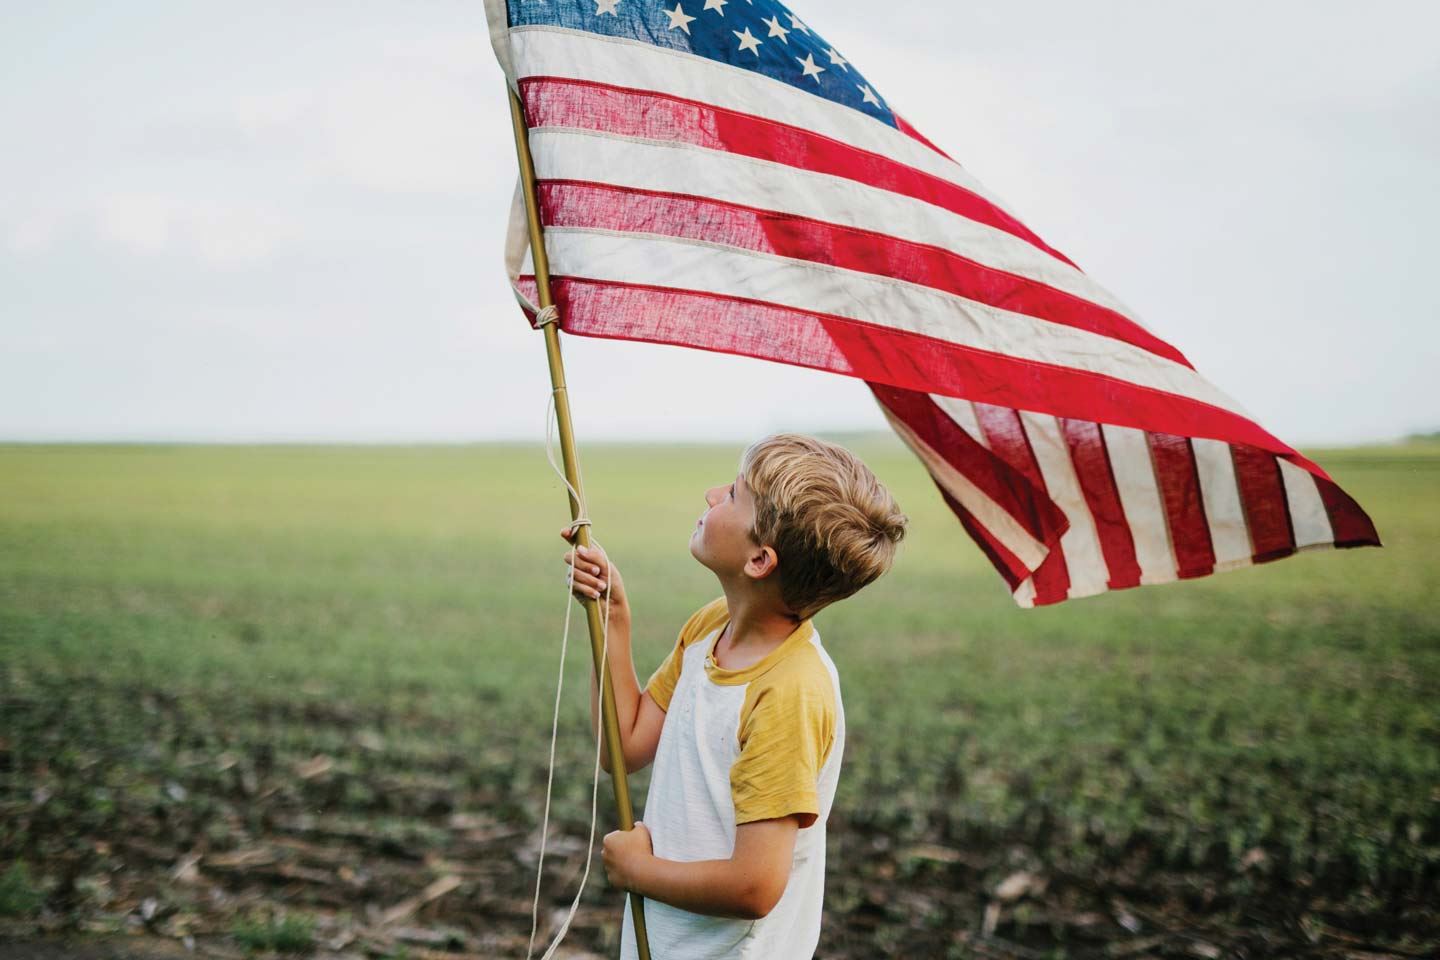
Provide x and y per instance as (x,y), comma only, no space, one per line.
(580,521)
(550,314)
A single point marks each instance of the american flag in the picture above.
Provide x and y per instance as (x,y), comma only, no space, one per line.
(715,174)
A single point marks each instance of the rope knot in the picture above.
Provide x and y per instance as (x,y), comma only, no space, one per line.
(550,314)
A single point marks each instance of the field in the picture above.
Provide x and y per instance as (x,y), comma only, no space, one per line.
(273,698)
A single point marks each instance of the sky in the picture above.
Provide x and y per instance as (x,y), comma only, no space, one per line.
(283,222)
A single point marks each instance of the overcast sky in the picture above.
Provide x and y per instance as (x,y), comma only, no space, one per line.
(283,221)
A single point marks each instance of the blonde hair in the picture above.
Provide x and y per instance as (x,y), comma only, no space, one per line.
(833,526)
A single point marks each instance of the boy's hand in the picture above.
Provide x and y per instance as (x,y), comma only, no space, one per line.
(590,573)
(624,852)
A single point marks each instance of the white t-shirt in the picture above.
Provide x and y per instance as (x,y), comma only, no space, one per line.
(737,746)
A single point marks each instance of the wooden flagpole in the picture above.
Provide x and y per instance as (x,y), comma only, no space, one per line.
(593,614)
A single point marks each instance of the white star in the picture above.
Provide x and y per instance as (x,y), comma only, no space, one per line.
(809,68)
(776,30)
(606,6)
(867,94)
(748,41)
(837,61)
(717,5)
(796,24)
(678,18)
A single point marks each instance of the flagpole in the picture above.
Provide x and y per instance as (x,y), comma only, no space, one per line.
(609,719)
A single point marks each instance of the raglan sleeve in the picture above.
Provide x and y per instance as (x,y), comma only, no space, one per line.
(661,685)
(787,729)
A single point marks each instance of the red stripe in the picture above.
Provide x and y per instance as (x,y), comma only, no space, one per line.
(1091,457)
(904,127)
(931,424)
(626,112)
(900,358)
(1006,435)
(1010,566)
(1179,480)
(1011,490)
(1262,494)
(1351,525)
(566,203)
(1052,579)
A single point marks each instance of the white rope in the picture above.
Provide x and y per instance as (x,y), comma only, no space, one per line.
(544,315)
(580,520)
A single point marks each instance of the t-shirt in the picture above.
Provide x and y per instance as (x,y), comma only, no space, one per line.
(741,745)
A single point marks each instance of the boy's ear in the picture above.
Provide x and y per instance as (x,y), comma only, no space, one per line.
(762,563)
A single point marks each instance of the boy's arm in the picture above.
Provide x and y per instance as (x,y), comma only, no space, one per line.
(640,717)
(748,885)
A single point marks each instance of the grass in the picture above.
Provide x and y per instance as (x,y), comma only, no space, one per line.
(18,894)
(283,934)
(418,593)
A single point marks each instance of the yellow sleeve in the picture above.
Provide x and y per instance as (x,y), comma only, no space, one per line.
(661,685)
(787,728)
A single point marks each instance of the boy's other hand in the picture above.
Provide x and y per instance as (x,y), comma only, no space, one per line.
(624,851)
(591,571)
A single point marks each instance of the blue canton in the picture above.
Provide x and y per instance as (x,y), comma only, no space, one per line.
(762,36)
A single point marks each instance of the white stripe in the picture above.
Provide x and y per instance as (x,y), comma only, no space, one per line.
(566,154)
(1224,512)
(1089,573)
(963,413)
(1140,497)
(727,271)
(987,512)
(1307,510)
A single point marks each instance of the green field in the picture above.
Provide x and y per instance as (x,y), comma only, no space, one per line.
(1250,761)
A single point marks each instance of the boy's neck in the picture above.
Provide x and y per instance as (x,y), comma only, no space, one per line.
(757,624)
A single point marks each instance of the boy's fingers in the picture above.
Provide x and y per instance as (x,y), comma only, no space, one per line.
(583,568)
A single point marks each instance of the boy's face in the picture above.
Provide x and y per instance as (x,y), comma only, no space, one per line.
(721,539)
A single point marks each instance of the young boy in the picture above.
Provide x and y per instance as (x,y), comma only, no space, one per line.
(743,719)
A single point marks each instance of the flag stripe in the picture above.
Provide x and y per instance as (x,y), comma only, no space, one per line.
(904,127)
(963,413)
(605,207)
(641,115)
(1018,549)
(567,54)
(1084,557)
(1307,510)
(1223,510)
(1140,495)
(1266,513)
(1352,527)
(997,480)
(753,328)
(1010,566)
(881,301)
(1179,486)
(636,20)
(1092,468)
(1005,433)
(562,154)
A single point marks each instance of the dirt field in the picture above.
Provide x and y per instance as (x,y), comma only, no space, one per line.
(256,701)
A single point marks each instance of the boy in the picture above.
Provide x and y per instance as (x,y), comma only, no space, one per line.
(743,719)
